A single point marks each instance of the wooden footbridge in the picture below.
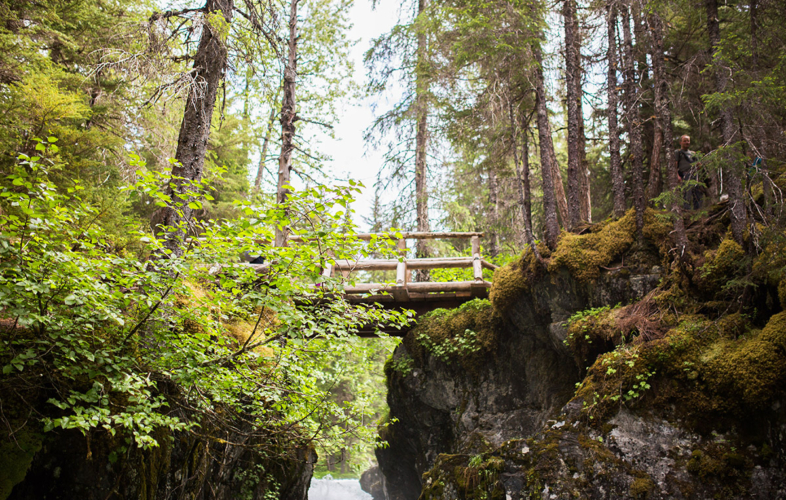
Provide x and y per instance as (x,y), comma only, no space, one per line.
(404,293)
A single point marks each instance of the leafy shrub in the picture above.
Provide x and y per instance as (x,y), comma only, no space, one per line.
(102,341)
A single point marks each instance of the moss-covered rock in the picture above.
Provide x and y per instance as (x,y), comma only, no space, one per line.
(721,266)
(464,336)
(775,331)
(782,293)
(684,389)
(584,255)
(513,279)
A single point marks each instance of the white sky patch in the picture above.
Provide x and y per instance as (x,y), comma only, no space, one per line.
(351,157)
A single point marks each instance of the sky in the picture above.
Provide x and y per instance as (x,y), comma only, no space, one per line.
(351,157)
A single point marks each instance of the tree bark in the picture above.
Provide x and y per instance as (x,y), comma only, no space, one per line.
(522,176)
(288,118)
(663,114)
(421,142)
(210,63)
(265,143)
(633,121)
(728,131)
(559,187)
(617,178)
(572,96)
(547,163)
(754,15)
(655,183)
(494,211)
(586,194)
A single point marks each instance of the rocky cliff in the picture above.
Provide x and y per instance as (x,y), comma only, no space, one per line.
(67,465)
(604,371)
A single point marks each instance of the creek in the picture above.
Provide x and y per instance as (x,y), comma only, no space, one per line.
(336,489)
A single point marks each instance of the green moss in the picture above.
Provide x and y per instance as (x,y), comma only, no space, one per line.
(775,331)
(782,293)
(770,265)
(592,332)
(721,266)
(702,368)
(583,255)
(479,479)
(657,227)
(641,487)
(513,279)
(705,466)
(463,336)
(747,371)
(16,456)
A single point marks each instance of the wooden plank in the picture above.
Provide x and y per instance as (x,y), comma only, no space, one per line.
(391,264)
(422,287)
(413,297)
(488,265)
(477,269)
(400,292)
(401,246)
(479,288)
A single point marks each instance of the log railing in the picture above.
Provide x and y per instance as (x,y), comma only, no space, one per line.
(403,290)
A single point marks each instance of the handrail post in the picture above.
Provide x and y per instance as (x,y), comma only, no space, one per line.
(401,246)
(400,292)
(477,268)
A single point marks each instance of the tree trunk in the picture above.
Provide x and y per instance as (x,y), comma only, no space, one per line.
(633,121)
(754,15)
(551,227)
(617,178)
(494,211)
(522,176)
(663,114)
(559,186)
(288,118)
(572,96)
(732,178)
(586,195)
(265,143)
(421,143)
(556,175)
(210,63)
(654,184)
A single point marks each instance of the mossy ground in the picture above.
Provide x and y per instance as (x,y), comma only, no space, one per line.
(585,255)
(474,477)
(707,370)
(463,337)
(704,351)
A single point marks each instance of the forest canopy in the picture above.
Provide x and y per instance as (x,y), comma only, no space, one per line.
(144,147)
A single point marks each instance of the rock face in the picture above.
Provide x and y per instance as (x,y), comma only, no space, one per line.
(681,394)
(67,466)
(372,481)
(637,456)
(445,408)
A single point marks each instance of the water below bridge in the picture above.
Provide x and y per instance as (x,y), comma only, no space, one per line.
(336,489)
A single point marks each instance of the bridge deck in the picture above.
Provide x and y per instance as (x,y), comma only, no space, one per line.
(420,297)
